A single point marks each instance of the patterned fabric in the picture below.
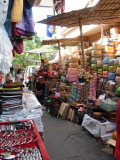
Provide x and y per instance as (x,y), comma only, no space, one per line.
(27,23)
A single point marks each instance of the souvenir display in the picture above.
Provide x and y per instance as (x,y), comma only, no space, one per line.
(21,140)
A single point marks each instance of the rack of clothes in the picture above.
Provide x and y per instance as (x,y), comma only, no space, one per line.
(16,25)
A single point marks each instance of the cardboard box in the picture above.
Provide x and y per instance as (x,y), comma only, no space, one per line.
(97,128)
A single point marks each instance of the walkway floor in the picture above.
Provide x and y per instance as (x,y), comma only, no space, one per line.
(65,140)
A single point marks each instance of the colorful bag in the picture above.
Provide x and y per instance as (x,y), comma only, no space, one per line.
(93,60)
(118,71)
(112,68)
(116,62)
(105,67)
(111,62)
(111,76)
(100,71)
(106,60)
(117,91)
(94,67)
(109,105)
(99,64)
(105,73)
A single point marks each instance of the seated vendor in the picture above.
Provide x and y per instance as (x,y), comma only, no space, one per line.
(40,90)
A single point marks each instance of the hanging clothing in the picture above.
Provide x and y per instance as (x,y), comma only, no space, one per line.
(117,148)
(18,45)
(27,23)
(17,11)
(5,44)
(7,24)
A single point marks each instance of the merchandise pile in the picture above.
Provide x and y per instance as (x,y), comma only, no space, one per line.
(105,62)
(11,100)
(69,74)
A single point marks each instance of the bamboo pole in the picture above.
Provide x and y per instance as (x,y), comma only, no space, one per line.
(83,57)
(82,43)
(59,52)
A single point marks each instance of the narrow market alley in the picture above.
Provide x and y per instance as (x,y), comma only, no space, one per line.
(65,140)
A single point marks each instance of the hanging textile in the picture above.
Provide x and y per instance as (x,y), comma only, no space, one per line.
(117,149)
(18,45)
(26,26)
(19,25)
(17,11)
(5,44)
(7,24)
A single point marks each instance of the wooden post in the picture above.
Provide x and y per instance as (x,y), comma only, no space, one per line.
(59,52)
(82,43)
(83,57)
(101,33)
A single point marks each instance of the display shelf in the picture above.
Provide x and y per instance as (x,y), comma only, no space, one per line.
(21,139)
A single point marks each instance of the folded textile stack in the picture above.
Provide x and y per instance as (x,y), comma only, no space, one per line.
(65,63)
(88,57)
(109,105)
(81,92)
(72,75)
(11,100)
(65,92)
(93,87)
(73,94)
(78,92)
(96,58)
(71,78)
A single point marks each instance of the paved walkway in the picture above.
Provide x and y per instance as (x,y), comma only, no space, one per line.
(65,140)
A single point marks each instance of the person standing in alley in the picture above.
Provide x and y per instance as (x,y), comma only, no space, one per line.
(19,76)
(40,90)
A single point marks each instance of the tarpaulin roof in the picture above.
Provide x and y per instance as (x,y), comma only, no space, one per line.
(105,12)
(63,41)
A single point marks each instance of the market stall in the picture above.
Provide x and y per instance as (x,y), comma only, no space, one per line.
(87,16)
(18,105)
(101,60)
(59,42)
(19,139)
